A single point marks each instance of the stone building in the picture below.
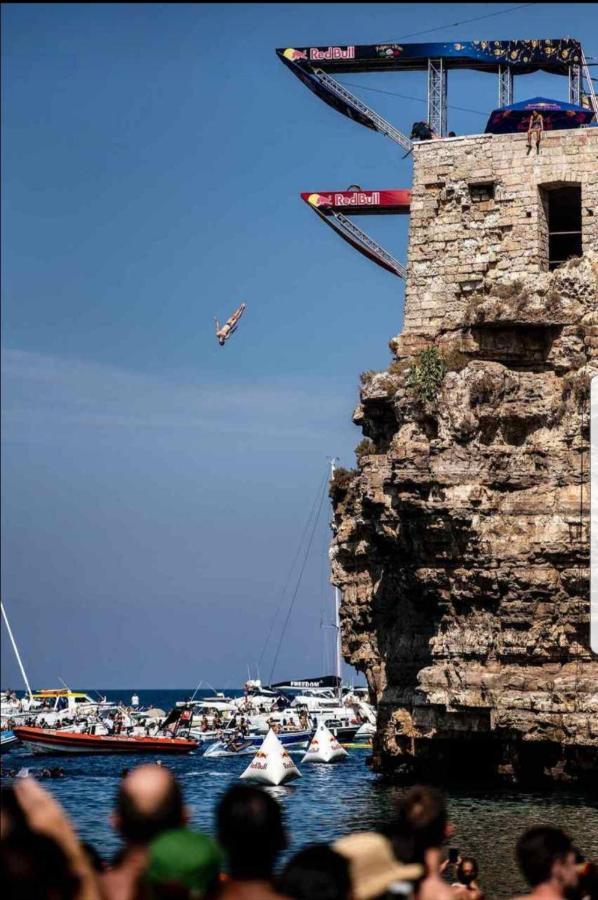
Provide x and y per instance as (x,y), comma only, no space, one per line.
(461,541)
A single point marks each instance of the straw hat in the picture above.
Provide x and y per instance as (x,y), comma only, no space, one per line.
(373,864)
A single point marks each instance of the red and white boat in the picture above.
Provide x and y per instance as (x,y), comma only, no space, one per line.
(49,740)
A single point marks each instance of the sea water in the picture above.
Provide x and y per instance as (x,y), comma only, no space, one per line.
(325,803)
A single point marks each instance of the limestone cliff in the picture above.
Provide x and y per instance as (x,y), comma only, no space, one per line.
(461,541)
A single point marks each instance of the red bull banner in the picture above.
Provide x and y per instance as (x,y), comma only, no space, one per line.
(358,202)
(522,56)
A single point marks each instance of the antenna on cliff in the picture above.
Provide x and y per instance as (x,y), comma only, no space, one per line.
(337,606)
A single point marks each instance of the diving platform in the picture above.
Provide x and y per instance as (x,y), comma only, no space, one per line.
(335,207)
(314,66)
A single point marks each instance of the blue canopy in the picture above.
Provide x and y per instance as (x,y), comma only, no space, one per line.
(556,114)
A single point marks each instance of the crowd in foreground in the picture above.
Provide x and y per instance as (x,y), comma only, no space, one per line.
(162,858)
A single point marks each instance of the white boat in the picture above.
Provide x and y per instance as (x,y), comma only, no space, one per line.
(53,706)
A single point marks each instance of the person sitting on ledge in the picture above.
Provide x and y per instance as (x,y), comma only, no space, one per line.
(536,126)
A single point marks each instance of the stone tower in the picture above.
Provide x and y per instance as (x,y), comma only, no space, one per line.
(461,541)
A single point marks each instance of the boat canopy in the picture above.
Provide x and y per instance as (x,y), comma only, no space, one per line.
(58,692)
(325,681)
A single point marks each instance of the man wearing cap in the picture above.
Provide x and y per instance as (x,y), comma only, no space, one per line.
(182,864)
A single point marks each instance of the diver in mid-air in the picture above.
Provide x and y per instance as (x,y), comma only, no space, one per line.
(230,326)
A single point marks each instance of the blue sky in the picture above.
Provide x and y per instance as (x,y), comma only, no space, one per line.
(155,486)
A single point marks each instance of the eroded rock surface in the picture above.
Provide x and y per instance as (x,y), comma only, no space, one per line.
(461,541)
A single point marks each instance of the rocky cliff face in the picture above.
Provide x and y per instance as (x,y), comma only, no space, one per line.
(461,541)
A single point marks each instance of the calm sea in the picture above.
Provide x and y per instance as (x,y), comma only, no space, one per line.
(328,801)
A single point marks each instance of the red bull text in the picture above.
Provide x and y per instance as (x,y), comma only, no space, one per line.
(331,53)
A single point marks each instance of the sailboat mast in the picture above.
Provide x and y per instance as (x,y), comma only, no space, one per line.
(337,620)
(16,649)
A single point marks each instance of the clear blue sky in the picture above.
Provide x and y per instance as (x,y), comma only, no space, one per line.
(155,486)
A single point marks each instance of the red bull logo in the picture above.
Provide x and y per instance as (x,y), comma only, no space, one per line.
(294,55)
(331,53)
(320,200)
(357,198)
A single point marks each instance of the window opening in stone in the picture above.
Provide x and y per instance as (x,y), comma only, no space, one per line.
(482,191)
(563,215)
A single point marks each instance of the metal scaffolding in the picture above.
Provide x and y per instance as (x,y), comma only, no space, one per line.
(575,84)
(437,96)
(354,102)
(505,85)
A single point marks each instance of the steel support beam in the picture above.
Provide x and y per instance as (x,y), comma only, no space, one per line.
(437,96)
(505,85)
(575,84)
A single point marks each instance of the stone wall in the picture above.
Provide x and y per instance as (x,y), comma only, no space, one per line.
(457,240)
(461,541)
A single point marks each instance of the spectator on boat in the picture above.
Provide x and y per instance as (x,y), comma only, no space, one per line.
(316,873)
(235,743)
(547,861)
(251,833)
(205,726)
(466,886)
(148,803)
(417,835)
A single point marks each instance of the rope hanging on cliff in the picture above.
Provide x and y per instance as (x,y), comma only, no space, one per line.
(287,582)
(301,571)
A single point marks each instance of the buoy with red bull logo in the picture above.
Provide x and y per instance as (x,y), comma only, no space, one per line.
(324,748)
(271,764)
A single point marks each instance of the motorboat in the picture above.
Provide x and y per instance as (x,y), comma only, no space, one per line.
(8,739)
(53,706)
(249,745)
(52,740)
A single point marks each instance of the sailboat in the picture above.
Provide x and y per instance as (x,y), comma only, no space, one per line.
(323,700)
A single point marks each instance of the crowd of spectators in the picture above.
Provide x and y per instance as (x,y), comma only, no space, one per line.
(162,858)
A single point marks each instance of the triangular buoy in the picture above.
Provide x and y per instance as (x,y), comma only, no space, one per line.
(324,747)
(271,764)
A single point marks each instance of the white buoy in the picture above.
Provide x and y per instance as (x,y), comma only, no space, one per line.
(271,764)
(324,747)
